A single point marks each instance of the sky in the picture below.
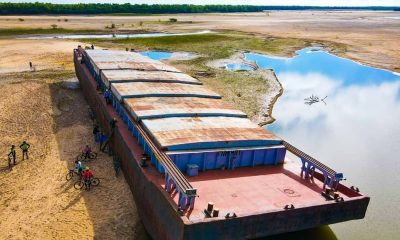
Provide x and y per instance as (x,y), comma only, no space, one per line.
(235,2)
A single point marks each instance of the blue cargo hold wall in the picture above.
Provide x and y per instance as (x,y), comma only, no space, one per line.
(225,159)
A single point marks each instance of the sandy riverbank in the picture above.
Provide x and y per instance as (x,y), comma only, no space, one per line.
(368,37)
(36,200)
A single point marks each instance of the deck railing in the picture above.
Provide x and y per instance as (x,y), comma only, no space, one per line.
(310,164)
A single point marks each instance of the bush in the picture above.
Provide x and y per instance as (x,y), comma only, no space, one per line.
(173,20)
(21,19)
(66,20)
(54,26)
(112,25)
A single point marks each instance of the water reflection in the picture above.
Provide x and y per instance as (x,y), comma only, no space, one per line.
(357,132)
(157,55)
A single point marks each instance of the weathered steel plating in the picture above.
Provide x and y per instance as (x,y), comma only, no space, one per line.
(129,75)
(161,107)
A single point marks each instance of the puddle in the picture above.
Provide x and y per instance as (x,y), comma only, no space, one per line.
(163,55)
(239,67)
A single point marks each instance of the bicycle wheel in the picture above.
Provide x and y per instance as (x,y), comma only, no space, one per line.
(95,182)
(79,185)
(70,175)
(81,157)
(93,155)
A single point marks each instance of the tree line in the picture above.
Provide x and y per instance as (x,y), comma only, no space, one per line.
(8,8)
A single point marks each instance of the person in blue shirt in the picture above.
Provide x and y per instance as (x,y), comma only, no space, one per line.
(107,96)
(78,167)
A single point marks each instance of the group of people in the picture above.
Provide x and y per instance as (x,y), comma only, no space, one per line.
(12,156)
(85,172)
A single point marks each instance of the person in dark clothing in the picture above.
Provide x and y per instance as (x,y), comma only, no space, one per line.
(12,155)
(117,165)
(30,65)
(24,147)
(113,123)
(96,132)
(87,151)
(92,46)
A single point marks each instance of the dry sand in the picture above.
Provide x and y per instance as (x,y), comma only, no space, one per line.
(36,201)
(371,37)
(15,55)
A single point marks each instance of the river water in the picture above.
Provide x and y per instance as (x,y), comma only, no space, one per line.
(356,131)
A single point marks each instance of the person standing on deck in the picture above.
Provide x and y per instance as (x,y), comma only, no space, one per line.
(24,147)
(107,96)
(13,154)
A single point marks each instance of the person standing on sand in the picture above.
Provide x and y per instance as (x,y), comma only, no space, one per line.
(96,132)
(30,66)
(24,147)
(113,123)
(12,155)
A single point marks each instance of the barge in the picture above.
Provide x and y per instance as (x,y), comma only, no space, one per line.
(197,167)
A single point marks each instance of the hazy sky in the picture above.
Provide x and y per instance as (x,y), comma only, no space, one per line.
(250,2)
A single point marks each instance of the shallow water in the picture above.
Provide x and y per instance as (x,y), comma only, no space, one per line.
(89,36)
(163,55)
(237,67)
(157,55)
(357,132)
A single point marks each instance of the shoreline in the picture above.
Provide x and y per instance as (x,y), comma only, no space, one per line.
(268,100)
(264,117)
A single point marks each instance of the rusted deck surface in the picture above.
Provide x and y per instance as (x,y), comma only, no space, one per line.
(206,131)
(156,107)
(251,191)
(129,75)
(110,59)
(160,89)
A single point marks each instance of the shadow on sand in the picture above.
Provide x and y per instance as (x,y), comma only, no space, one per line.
(110,206)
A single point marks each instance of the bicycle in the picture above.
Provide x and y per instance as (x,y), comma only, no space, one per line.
(82,156)
(71,174)
(92,182)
